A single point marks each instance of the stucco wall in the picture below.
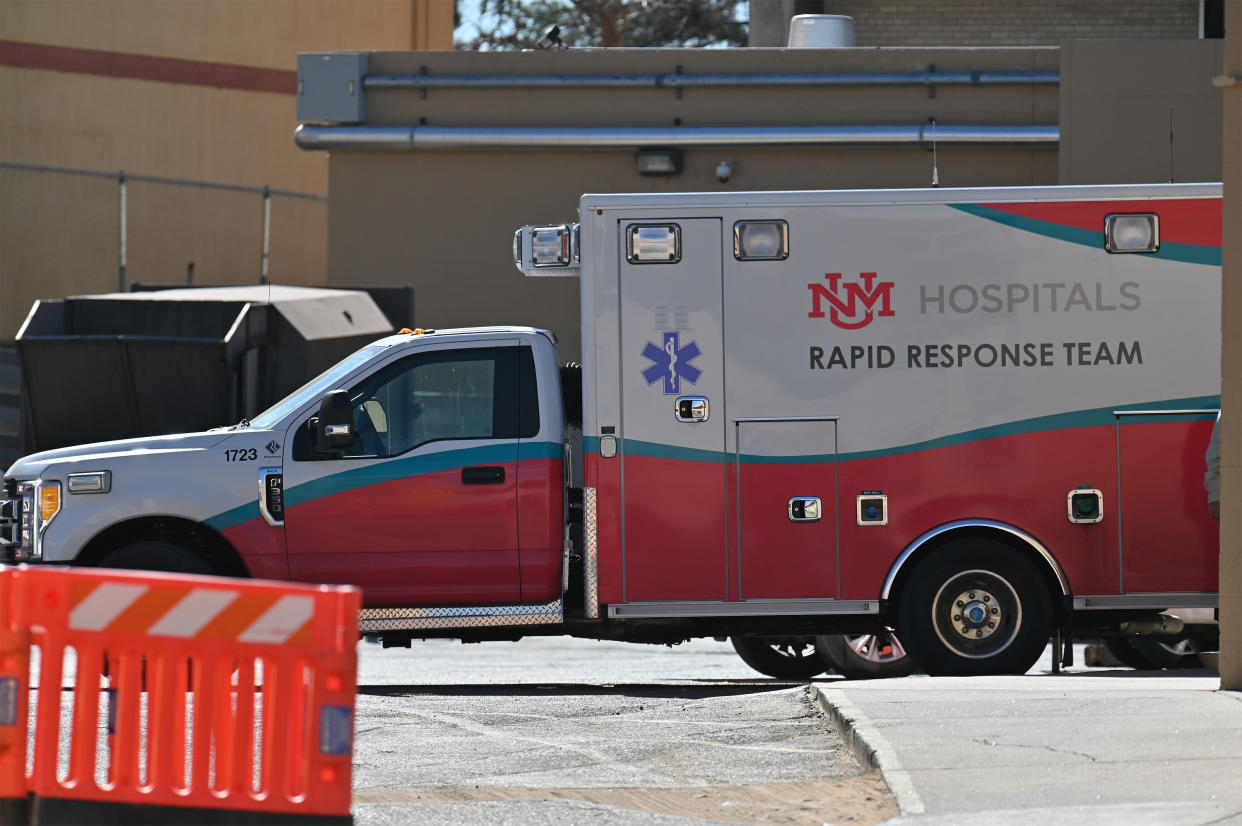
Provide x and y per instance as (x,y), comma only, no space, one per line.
(193,89)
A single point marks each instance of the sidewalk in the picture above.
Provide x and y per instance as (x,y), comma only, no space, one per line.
(1087,747)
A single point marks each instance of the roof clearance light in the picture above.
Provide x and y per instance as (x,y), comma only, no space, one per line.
(653,244)
(551,246)
(1132,233)
(761,240)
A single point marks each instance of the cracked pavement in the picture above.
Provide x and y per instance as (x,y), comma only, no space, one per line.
(1086,747)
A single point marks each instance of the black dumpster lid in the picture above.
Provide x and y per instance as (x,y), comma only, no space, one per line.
(315,312)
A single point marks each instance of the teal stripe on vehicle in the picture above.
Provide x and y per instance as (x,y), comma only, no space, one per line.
(1169,251)
(379,473)
(655,450)
(1203,408)
(235,516)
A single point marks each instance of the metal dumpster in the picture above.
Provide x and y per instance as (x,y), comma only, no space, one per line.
(120,365)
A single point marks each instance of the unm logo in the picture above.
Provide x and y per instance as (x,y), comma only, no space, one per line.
(671,363)
(844,300)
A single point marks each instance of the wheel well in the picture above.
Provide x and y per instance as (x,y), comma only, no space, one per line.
(194,536)
(968,532)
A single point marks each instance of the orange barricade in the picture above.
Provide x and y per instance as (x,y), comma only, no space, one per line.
(14,697)
(223,700)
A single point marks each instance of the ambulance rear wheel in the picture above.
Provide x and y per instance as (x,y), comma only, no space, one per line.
(156,555)
(785,658)
(976,607)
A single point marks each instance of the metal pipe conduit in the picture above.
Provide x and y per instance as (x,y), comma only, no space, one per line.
(317,137)
(678,81)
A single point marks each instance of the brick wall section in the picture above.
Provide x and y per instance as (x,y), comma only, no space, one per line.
(1014,22)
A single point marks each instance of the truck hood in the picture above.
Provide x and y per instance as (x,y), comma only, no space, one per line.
(32,466)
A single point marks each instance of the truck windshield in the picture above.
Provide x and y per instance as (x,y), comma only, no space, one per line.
(316,387)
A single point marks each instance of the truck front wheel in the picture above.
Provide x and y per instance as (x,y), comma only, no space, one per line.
(975,608)
(785,658)
(156,555)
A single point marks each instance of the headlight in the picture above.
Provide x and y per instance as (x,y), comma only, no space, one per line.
(40,504)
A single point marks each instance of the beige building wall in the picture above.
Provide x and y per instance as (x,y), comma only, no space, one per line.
(1230,81)
(1140,111)
(194,89)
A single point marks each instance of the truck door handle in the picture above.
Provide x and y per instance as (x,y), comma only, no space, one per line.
(493,475)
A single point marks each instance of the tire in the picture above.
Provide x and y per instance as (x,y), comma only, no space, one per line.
(865,656)
(975,607)
(1122,649)
(785,658)
(157,555)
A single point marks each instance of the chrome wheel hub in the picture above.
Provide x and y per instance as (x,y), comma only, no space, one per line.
(976,614)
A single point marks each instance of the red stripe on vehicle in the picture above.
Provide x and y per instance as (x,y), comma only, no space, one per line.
(1184,221)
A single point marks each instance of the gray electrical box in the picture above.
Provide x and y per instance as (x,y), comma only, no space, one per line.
(330,87)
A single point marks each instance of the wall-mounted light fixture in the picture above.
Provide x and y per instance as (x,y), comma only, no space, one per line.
(658,161)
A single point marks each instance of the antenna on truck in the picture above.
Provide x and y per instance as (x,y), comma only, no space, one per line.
(1170,143)
(935,170)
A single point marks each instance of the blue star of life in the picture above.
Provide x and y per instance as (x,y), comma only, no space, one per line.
(671,363)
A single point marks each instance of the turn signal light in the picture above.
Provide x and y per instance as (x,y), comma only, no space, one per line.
(49,500)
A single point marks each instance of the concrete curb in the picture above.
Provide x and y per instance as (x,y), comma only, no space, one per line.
(869,746)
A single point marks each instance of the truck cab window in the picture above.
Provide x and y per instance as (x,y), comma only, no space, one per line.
(483,393)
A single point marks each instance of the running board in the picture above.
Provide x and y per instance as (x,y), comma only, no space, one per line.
(1148,601)
(750,608)
(373,620)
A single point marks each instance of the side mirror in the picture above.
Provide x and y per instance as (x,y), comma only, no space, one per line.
(333,429)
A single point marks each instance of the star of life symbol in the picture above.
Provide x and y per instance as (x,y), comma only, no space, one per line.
(671,363)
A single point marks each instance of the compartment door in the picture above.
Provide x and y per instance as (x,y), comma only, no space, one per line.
(787,508)
(674,530)
(1168,541)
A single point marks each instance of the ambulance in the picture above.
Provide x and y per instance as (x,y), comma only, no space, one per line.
(975,416)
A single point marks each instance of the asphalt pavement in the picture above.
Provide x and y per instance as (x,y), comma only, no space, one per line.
(558,732)
(1086,747)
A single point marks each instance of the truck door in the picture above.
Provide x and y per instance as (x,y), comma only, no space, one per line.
(422,509)
(673,418)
